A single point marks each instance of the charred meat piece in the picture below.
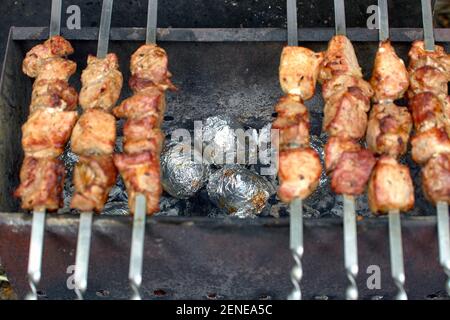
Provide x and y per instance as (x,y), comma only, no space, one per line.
(142,135)
(298,72)
(53,94)
(94,133)
(427,111)
(299,172)
(93,179)
(346,115)
(46,132)
(390,187)
(419,57)
(340,58)
(150,103)
(149,67)
(39,55)
(141,174)
(41,184)
(292,123)
(102,83)
(436,178)
(428,79)
(340,84)
(334,149)
(352,172)
(57,69)
(389,77)
(430,143)
(388,129)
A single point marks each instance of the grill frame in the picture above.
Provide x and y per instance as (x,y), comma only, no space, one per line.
(263,240)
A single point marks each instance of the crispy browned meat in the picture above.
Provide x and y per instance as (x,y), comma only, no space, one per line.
(340,58)
(428,79)
(39,55)
(427,111)
(299,172)
(53,94)
(41,184)
(334,149)
(388,129)
(428,144)
(438,58)
(141,174)
(149,67)
(340,84)
(292,123)
(389,77)
(390,187)
(352,172)
(102,83)
(94,133)
(346,115)
(93,179)
(144,104)
(298,72)
(46,132)
(436,178)
(57,69)
(142,135)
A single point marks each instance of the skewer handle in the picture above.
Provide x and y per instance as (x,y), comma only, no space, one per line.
(444,240)
(137,247)
(82,256)
(35,254)
(350,247)
(296,245)
(396,248)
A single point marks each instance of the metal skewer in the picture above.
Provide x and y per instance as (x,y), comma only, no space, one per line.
(442,207)
(427,18)
(38,226)
(140,212)
(85,227)
(350,230)
(396,248)
(296,207)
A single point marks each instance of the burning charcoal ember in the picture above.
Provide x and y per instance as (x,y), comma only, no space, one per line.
(182,176)
(239,191)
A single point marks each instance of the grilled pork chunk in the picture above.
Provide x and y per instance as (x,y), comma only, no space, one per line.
(390,79)
(102,83)
(299,173)
(298,72)
(388,129)
(390,187)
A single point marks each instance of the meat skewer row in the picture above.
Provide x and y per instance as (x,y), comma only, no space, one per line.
(390,187)
(430,106)
(44,137)
(347,101)
(299,165)
(94,135)
(143,139)
(49,125)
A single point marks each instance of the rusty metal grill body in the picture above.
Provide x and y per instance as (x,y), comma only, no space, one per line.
(229,71)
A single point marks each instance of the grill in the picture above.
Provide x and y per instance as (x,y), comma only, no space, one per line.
(234,72)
